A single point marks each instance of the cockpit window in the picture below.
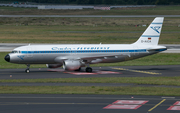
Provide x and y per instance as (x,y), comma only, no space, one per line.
(15,52)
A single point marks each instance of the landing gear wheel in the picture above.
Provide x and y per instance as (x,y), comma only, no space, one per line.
(89,69)
(27,70)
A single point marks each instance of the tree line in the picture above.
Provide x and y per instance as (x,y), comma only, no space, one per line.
(106,2)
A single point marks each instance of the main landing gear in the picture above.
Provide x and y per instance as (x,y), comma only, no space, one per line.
(27,69)
(89,69)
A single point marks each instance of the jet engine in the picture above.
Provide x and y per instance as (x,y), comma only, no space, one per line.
(72,65)
(53,65)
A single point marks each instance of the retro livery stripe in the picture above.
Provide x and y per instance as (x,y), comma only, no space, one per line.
(150,35)
(156,23)
(84,51)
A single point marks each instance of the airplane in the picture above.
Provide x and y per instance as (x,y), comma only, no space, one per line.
(74,56)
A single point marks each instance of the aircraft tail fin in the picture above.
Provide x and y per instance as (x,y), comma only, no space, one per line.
(152,33)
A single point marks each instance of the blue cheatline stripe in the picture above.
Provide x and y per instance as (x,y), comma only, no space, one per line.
(156,23)
(150,35)
(161,49)
(84,51)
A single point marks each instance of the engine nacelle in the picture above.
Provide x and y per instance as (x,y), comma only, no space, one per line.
(71,65)
(53,65)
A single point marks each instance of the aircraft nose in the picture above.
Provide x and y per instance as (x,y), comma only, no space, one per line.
(7,58)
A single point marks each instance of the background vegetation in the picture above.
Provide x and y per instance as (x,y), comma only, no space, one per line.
(107,2)
(157,10)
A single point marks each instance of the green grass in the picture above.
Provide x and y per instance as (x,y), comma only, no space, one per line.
(3,8)
(90,30)
(83,30)
(166,8)
(89,90)
(169,81)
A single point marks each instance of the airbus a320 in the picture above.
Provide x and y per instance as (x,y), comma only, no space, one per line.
(73,57)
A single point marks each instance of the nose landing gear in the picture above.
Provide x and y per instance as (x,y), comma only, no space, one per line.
(27,69)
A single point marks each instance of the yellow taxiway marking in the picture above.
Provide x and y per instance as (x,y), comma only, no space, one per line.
(157,105)
(146,72)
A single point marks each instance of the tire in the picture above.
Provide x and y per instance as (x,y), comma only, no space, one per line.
(89,69)
(27,71)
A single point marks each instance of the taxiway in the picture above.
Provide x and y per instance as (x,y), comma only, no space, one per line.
(87,103)
(121,71)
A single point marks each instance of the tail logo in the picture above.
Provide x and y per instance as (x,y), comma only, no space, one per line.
(156,28)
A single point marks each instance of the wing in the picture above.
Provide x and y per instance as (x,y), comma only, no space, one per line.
(92,59)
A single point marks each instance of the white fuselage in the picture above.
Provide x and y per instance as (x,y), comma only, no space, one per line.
(93,53)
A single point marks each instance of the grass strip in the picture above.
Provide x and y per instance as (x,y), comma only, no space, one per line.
(170,81)
(89,90)
(106,32)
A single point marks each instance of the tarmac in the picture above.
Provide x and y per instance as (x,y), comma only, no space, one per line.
(88,103)
(59,103)
(123,71)
(118,71)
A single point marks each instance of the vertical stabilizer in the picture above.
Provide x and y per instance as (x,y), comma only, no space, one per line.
(152,33)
